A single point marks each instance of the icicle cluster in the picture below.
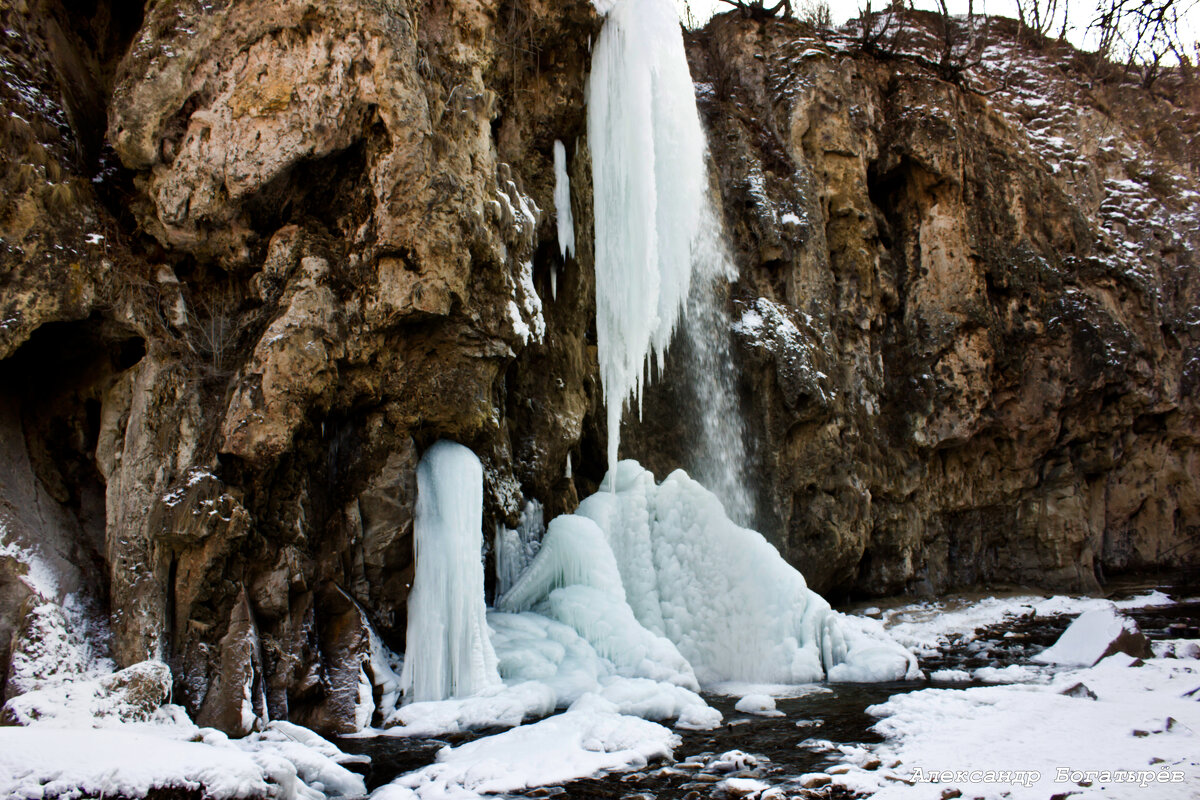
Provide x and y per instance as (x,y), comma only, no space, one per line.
(648,178)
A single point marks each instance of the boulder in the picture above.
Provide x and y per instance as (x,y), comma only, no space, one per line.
(1095,635)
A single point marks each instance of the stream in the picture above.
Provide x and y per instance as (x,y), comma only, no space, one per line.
(806,738)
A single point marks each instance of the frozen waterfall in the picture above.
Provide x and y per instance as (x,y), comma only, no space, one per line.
(649,182)
(649,590)
(720,593)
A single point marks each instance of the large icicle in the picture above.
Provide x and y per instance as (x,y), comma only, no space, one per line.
(648,179)
(562,202)
(449,653)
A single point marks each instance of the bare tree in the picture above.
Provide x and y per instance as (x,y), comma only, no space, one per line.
(758,9)
(815,14)
(881,33)
(1142,34)
(962,43)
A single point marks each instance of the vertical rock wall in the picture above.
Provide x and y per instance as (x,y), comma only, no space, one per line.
(258,255)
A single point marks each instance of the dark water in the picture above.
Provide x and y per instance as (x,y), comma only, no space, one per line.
(806,738)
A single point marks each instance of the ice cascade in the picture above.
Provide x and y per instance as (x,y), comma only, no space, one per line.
(720,593)
(449,652)
(649,180)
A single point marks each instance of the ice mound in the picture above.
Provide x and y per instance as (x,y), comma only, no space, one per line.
(589,738)
(723,595)
(646,593)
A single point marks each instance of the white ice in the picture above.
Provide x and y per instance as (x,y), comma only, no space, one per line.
(562,202)
(648,180)
(449,652)
(516,548)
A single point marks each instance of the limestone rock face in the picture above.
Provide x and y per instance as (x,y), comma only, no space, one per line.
(257,255)
(971,355)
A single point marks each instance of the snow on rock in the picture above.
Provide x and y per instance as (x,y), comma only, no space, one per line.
(302,762)
(449,652)
(1013,673)
(760,704)
(923,627)
(495,707)
(55,643)
(649,184)
(133,694)
(283,762)
(588,739)
(1094,635)
(740,787)
(793,341)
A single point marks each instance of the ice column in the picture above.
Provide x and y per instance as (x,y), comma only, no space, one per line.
(648,179)
(449,653)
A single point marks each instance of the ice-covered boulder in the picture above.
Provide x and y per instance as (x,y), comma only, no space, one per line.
(1095,635)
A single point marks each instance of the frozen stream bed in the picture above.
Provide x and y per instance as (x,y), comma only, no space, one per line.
(986,708)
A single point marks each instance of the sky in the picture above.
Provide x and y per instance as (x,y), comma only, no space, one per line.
(1081,13)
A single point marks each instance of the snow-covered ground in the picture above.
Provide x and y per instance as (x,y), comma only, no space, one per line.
(1041,729)
(128,760)
(1124,727)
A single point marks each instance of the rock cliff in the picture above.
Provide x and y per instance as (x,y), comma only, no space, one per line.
(257,255)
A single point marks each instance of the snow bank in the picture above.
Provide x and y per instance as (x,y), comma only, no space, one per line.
(588,739)
(1140,726)
(284,761)
(37,762)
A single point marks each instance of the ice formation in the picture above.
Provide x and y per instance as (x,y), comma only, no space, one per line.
(562,202)
(645,594)
(449,652)
(592,737)
(721,594)
(516,548)
(648,179)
